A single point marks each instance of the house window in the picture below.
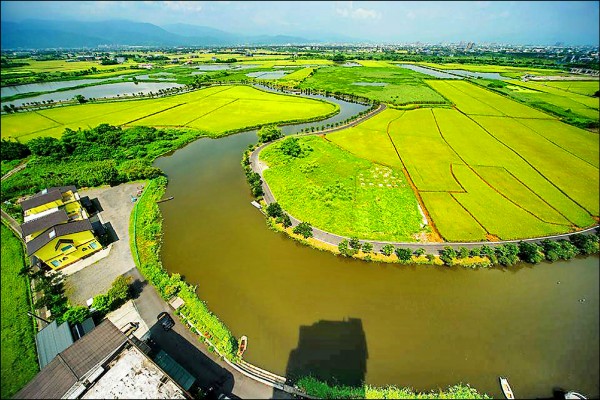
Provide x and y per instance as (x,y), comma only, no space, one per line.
(56,263)
(93,245)
(67,247)
(52,234)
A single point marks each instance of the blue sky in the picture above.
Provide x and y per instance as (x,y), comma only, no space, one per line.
(535,22)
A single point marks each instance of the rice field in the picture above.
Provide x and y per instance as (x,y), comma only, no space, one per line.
(492,168)
(586,88)
(215,110)
(540,94)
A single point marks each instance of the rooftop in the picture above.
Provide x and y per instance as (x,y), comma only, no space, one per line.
(59,230)
(132,376)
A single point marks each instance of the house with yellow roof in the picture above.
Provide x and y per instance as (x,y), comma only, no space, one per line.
(56,227)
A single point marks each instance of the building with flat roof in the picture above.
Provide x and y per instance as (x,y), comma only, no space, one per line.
(104,363)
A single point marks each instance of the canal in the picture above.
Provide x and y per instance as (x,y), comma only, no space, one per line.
(420,326)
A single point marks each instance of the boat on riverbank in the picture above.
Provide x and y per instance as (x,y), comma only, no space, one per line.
(506,389)
(574,395)
(242,346)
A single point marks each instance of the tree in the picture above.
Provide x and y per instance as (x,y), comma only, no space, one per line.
(339,57)
(447,255)
(285,220)
(80,98)
(268,133)
(304,229)
(46,146)
(7,109)
(586,244)
(419,252)
(12,150)
(291,147)
(367,247)
(76,315)
(530,252)
(507,254)
(387,250)
(343,247)
(274,210)
(463,252)
(403,254)
(354,243)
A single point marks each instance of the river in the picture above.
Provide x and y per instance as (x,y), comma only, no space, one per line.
(419,326)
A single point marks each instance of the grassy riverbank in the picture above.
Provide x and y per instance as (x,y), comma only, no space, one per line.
(19,359)
(146,238)
(322,390)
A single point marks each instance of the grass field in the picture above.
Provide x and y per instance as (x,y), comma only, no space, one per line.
(215,109)
(341,193)
(401,85)
(19,359)
(486,175)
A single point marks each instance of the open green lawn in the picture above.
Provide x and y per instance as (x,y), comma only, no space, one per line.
(215,109)
(336,191)
(401,85)
(19,359)
(486,175)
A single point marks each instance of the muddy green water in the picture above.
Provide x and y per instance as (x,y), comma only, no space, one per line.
(418,326)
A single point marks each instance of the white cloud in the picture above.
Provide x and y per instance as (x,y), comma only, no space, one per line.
(183,6)
(346,9)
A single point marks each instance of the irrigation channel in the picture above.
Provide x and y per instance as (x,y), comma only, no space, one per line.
(305,311)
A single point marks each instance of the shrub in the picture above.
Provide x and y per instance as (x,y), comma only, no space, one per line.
(419,252)
(304,229)
(345,249)
(403,254)
(101,303)
(387,250)
(463,252)
(487,251)
(367,247)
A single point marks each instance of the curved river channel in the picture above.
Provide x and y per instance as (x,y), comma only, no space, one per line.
(304,310)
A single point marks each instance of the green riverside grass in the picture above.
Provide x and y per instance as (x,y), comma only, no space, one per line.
(320,389)
(19,358)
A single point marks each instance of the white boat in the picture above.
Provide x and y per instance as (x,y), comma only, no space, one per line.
(508,393)
(242,345)
(256,204)
(574,395)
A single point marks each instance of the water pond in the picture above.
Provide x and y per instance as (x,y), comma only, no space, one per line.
(108,90)
(429,71)
(267,74)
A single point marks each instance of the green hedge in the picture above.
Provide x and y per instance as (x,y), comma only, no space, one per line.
(314,387)
(145,241)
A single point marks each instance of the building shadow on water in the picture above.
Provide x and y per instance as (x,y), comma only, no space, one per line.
(331,351)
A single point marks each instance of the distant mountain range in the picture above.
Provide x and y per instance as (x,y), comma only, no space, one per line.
(39,34)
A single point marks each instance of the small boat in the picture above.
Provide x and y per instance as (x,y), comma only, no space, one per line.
(256,204)
(574,395)
(242,346)
(508,393)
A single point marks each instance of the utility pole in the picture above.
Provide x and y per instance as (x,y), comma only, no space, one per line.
(35,316)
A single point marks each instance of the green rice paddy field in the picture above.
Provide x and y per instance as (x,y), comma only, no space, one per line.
(491,168)
(216,110)
(400,85)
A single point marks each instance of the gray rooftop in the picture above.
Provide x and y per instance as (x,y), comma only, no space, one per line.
(45,222)
(52,340)
(60,230)
(46,196)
